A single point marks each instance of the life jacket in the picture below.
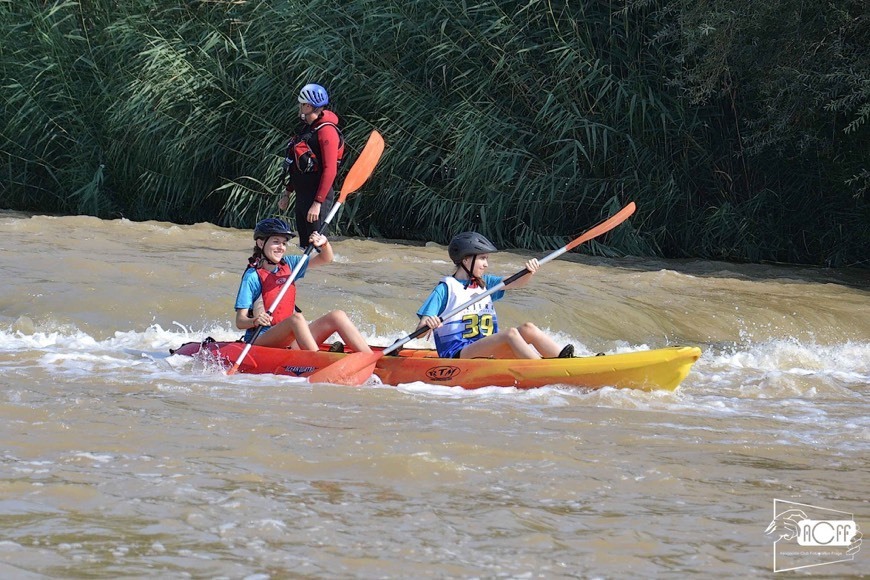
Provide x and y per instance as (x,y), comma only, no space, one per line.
(475,322)
(271,284)
(303,150)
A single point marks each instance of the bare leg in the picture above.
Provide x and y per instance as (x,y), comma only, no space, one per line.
(537,338)
(283,333)
(338,321)
(505,344)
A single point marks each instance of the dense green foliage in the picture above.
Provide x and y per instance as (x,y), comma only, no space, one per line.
(739,127)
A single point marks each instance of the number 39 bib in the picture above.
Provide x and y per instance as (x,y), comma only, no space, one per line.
(473,323)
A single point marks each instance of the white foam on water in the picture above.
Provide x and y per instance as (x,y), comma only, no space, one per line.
(780,369)
(98,457)
(450,392)
(849,360)
(795,374)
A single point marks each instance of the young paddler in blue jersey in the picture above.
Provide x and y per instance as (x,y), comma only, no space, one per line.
(268,270)
(474,332)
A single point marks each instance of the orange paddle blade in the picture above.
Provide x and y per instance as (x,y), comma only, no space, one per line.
(352,370)
(604,226)
(363,166)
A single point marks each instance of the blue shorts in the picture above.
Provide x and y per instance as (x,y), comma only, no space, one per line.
(249,334)
(455,349)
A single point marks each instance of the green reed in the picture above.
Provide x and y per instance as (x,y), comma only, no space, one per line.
(527,121)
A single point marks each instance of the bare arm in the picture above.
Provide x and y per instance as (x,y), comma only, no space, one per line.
(532,266)
(326,254)
(244,322)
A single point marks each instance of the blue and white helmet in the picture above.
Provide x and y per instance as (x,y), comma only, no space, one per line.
(314,95)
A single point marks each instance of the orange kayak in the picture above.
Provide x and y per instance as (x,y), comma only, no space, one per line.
(657,369)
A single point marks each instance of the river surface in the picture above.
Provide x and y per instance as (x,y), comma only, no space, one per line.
(120,460)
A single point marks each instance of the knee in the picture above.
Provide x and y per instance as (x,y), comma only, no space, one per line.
(513,334)
(528,328)
(337,316)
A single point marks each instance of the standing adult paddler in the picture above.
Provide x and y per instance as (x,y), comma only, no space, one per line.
(312,159)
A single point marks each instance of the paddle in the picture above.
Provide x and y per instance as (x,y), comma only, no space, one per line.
(356,368)
(358,174)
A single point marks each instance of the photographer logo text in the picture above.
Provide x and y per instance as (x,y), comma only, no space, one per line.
(808,535)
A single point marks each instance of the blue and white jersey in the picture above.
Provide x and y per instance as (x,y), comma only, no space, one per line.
(469,325)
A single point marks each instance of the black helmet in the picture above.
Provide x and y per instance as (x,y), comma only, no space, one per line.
(469,244)
(272,227)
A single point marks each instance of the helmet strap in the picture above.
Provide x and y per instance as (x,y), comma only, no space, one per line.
(259,256)
(475,281)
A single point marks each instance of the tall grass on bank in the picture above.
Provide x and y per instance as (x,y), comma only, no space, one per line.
(528,121)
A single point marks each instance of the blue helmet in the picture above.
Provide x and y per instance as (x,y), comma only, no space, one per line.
(314,95)
(272,227)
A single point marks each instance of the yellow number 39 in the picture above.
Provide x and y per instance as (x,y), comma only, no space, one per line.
(477,325)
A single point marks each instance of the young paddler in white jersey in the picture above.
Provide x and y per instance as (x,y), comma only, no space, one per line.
(474,332)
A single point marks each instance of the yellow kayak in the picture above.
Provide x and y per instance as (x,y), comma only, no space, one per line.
(662,368)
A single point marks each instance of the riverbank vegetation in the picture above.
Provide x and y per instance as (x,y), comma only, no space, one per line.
(739,127)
